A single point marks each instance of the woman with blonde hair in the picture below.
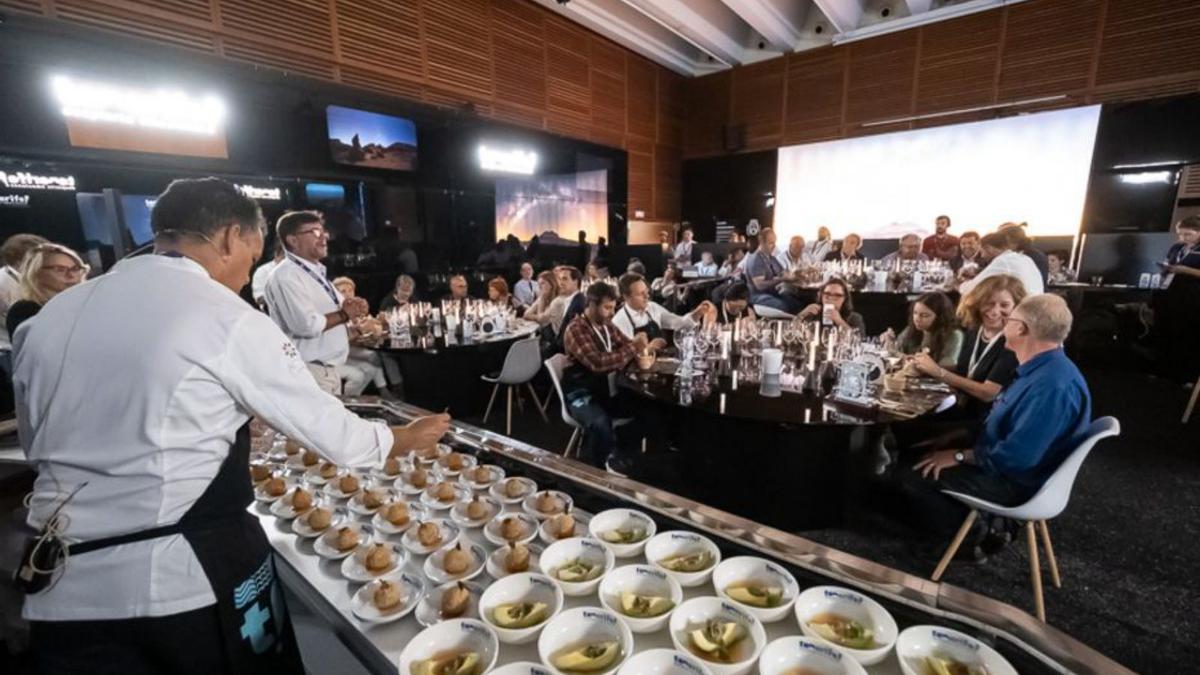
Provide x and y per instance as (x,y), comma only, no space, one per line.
(48,270)
(547,291)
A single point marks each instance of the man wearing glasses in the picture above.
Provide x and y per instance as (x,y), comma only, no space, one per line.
(304,303)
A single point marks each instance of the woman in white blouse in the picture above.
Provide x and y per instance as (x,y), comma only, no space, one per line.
(1004,259)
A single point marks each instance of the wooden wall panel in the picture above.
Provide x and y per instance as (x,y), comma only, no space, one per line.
(568,79)
(880,80)
(1145,39)
(166,25)
(816,87)
(756,94)
(519,62)
(707,105)
(641,182)
(383,36)
(672,99)
(1049,48)
(668,183)
(607,79)
(641,99)
(458,51)
(958,62)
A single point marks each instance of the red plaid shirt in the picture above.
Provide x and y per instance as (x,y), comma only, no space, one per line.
(586,348)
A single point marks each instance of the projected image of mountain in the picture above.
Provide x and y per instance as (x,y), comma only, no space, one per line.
(362,138)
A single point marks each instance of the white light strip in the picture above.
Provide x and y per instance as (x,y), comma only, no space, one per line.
(1148,165)
(163,108)
(508,161)
(960,111)
(932,16)
(1145,177)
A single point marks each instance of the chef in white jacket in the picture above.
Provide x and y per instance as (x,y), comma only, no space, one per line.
(139,386)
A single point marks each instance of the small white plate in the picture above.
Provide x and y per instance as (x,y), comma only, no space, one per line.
(439,452)
(412,590)
(581,530)
(383,476)
(450,533)
(564,506)
(313,475)
(461,493)
(429,610)
(325,549)
(468,479)
(402,484)
(495,561)
(434,569)
(282,507)
(353,566)
(357,506)
(458,512)
(334,490)
(416,513)
(300,526)
(498,489)
(260,494)
(468,463)
(491,531)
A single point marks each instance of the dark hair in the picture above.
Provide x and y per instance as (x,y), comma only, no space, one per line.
(572,271)
(940,217)
(968,233)
(738,291)
(291,222)
(202,206)
(627,280)
(996,240)
(1060,253)
(848,304)
(600,292)
(1016,238)
(1190,223)
(943,322)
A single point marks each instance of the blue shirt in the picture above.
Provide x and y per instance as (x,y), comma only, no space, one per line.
(1036,421)
(762,265)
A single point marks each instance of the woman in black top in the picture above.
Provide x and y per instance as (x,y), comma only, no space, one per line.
(48,270)
(835,293)
(1180,316)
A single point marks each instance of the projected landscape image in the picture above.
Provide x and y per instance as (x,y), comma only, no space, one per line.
(553,207)
(362,138)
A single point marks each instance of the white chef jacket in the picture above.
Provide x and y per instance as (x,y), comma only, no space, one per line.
(655,311)
(10,292)
(709,270)
(258,282)
(1013,264)
(526,291)
(818,248)
(135,382)
(298,302)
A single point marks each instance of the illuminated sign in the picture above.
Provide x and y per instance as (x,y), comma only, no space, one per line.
(23,180)
(507,161)
(272,194)
(16,201)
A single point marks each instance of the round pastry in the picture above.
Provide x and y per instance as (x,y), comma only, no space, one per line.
(429,534)
(372,499)
(562,526)
(455,461)
(348,484)
(548,503)
(427,453)
(397,514)
(456,560)
(319,518)
(392,466)
(291,447)
(482,474)
(301,500)
(310,458)
(517,558)
(387,595)
(328,470)
(378,558)
(444,492)
(346,539)
(418,478)
(275,487)
(259,472)
(455,601)
(477,509)
(514,488)
(512,528)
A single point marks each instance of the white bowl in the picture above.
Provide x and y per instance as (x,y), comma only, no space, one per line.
(434,569)
(497,489)
(461,493)
(524,587)
(495,562)
(416,513)
(364,608)
(917,642)
(678,542)
(562,552)
(760,571)
(497,475)
(693,613)
(643,580)
(664,662)
(402,485)
(301,529)
(454,636)
(450,533)
(491,531)
(529,504)
(429,610)
(325,549)
(791,652)
(458,512)
(544,534)
(522,668)
(622,519)
(580,626)
(852,605)
(354,568)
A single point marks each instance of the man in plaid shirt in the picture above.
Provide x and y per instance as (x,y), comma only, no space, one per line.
(598,351)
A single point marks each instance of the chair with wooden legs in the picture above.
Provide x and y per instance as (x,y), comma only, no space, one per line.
(1049,501)
(1187,413)
(521,364)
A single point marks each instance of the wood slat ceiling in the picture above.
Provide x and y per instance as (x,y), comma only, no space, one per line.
(757,103)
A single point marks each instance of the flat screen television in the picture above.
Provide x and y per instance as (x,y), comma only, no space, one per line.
(371,140)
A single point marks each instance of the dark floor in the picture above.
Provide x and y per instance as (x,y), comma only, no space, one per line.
(1128,545)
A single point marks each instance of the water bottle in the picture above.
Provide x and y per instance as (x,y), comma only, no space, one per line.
(1144,280)
(468,329)
(917,281)
(1156,280)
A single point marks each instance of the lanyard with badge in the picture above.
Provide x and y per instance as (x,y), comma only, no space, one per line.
(606,342)
(976,357)
(319,279)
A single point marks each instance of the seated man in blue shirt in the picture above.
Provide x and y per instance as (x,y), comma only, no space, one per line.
(1035,422)
(765,276)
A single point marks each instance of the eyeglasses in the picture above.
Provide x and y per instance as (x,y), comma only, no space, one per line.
(1023,322)
(827,294)
(320,232)
(65,269)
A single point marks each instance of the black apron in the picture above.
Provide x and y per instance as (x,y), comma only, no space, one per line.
(237,559)
(652,330)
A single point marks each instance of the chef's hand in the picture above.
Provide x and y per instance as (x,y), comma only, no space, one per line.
(925,364)
(421,433)
(703,310)
(657,344)
(934,462)
(812,310)
(640,342)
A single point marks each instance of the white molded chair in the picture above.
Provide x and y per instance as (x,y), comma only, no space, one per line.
(1049,501)
(521,364)
(771,313)
(555,366)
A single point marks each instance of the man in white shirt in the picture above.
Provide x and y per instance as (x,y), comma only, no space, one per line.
(683,250)
(1004,260)
(707,267)
(258,282)
(795,257)
(526,290)
(641,315)
(570,302)
(304,303)
(167,571)
(820,248)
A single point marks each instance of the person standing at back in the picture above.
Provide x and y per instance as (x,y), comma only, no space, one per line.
(12,253)
(941,245)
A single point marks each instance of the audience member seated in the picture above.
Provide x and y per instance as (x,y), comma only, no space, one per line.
(766,275)
(795,257)
(636,266)
(734,306)
(12,254)
(49,269)
(822,246)
(1003,258)
(640,315)
(1056,265)
(1020,242)
(683,250)
(258,282)
(401,294)
(663,288)
(569,303)
(732,263)
(931,329)
(458,288)
(970,258)
(539,310)
(363,366)
(1035,423)
(941,245)
(836,306)
(909,251)
(849,250)
(497,291)
(591,273)
(1178,322)
(598,351)
(707,267)
(526,290)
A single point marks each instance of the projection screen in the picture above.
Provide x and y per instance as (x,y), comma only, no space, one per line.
(1029,168)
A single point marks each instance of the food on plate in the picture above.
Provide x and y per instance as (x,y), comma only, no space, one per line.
(397,514)
(291,447)
(455,461)
(275,487)
(417,478)
(310,458)
(378,558)
(512,528)
(259,472)
(429,534)
(755,594)
(444,491)
(466,663)
(548,502)
(644,606)
(328,470)
(482,475)
(392,466)
(387,595)
(720,641)
(562,526)
(588,658)
(372,499)
(517,558)
(348,484)
(578,571)
(455,601)
(514,488)
(478,509)
(302,500)
(319,518)
(520,614)
(456,560)
(427,453)
(940,664)
(842,631)
(624,536)
(345,539)
(688,562)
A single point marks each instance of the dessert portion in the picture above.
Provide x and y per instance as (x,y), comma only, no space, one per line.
(842,631)
(429,534)
(302,500)
(455,461)
(291,447)
(562,526)
(630,535)
(456,560)
(388,595)
(548,502)
(427,454)
(444,492)
(578,571)
(397,514)
(345,539)
(328,470)
(466,663)
(379,558)
(455,601)
(512,529)
(587,658)
(482,475)
(310,458)
(259,472)
(519,615)
(418,478)
(348,484)
(644,606)
(688,562)
(720,641)
(514,488)
(517,558)
(392,466)
(478,509)
(319,519)
(372,499)
(755,594)
(275,487)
